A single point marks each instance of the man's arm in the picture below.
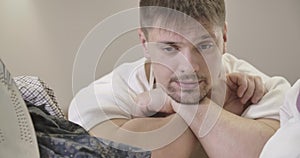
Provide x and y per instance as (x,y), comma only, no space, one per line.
(225,134)
(231,135)
(165,136)
(256,92)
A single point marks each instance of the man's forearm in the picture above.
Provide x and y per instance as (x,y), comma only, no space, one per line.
(230,135)
(164,136)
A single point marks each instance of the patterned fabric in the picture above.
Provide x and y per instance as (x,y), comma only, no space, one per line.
(36,92)
(58,137)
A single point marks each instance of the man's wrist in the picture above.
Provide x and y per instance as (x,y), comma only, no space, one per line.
(189,112)
(202,117)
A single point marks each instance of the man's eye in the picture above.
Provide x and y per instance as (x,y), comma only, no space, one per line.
(169,49)
(206,46)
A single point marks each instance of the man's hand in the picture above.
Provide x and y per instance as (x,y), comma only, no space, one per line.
(242,90)
(155,101)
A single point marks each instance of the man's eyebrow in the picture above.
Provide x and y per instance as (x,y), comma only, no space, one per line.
(203,37)
(206,36)
(169,42)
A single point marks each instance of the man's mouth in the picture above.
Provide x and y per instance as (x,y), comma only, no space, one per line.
(188,85)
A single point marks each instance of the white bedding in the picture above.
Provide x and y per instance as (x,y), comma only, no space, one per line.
(286,141)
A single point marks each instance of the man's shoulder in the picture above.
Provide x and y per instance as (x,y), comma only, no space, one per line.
(125,69)
(230,62)
(227,58)
(130,74)
(131,65)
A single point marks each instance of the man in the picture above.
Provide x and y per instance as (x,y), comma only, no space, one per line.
(172,99)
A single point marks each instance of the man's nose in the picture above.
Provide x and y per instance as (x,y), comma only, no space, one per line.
(189,61)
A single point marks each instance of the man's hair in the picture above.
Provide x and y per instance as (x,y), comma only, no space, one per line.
(211,11)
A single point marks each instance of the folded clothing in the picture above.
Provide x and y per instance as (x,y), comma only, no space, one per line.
(58,137)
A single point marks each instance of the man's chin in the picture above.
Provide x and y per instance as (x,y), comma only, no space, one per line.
(188,100)
(188,97)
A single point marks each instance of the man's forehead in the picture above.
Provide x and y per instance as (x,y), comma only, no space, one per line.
(190,34)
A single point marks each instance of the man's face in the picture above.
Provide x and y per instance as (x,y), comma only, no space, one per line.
(186,63)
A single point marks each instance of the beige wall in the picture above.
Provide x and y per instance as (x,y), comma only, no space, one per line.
(266,33)
(41,37)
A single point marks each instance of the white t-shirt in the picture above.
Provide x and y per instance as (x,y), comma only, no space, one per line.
(112,96)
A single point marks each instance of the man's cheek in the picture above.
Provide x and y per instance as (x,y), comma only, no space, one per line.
(215,67)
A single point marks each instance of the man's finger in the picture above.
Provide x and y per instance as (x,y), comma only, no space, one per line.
(237,81)
(158,99)
(230,83)
(154,100)
(250,90)
(259,90)
(242,85)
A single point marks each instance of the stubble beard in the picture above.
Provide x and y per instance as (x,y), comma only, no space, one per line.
(189,96)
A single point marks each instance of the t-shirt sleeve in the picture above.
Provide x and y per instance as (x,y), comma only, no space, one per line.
(95,104)
(269,105)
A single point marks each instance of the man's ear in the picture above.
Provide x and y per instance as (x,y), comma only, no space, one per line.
(143,40)
(225,37)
